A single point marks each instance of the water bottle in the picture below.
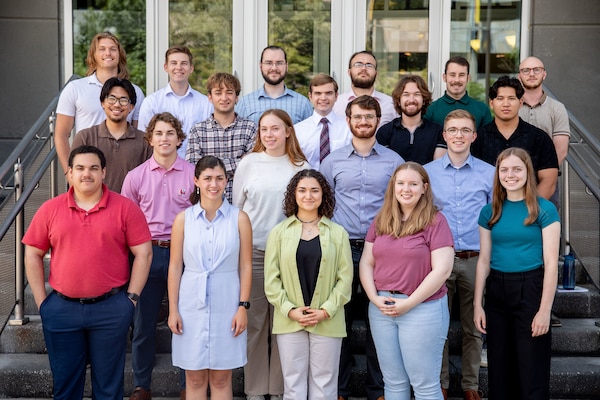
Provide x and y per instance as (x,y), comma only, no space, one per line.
(569,272)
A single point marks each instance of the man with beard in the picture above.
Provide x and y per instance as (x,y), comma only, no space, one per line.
(456,76)
(358,174)
(274,93)
(123,145)
(411,136)
(362,69)
(544,112)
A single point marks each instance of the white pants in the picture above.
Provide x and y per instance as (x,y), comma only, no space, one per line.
(310,365)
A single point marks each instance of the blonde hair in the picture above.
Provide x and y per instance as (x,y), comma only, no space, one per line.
(90,60)
(389,219)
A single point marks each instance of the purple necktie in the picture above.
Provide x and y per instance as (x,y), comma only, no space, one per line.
(324,139)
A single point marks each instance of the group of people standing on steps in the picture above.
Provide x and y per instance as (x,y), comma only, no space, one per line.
(273,220)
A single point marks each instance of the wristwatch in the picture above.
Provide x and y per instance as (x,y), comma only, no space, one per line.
(245,304)
(133,296)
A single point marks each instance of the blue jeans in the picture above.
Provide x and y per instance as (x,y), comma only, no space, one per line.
(143,343)
(409,348)
(76,333)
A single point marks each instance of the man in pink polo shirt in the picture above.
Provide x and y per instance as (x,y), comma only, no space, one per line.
(90,231)
(161,187)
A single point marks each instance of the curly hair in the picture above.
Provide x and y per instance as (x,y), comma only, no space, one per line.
(169,119)
(290,206)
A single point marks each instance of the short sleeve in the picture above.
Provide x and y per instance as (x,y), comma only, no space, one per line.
(484,216)
(372,232)
(439,233)
(547,213)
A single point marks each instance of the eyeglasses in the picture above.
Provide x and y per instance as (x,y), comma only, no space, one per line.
(358,118)
(122,100)
(536,70)
(360,65)
(270,64)
(454,131)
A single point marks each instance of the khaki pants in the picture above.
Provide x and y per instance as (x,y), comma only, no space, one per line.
(262,373)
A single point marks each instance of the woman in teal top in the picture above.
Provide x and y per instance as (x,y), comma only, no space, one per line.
(518,268)
(308,278)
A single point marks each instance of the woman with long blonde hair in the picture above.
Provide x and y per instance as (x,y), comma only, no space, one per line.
(259,185)
(408,256)
(518,270)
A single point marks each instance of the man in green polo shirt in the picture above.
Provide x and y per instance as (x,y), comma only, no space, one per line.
(456,76)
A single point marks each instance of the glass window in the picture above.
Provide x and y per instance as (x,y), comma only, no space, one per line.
(303,29)
(125,19)
(486,37)
(398,35)
(205,26)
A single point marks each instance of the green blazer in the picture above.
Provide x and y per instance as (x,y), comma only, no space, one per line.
(334,283)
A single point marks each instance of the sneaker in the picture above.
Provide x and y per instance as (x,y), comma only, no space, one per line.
(484,362)
(255,397)
(276,397)
(554,321)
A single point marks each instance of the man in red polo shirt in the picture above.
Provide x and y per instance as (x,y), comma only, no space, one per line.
(90,231)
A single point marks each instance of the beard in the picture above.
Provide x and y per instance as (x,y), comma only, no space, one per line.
(361,134)
(534,85)
(411,113)
(273,82)
(363,83)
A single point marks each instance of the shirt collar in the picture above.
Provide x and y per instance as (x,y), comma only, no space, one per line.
(176,165)
(445,160)
(262,93)
(101,203)
(170,91)
(542,101)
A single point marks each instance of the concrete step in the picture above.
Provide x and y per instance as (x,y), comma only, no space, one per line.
(577,336)
(28,375)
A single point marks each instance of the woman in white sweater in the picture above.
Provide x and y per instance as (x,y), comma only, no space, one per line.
(258,189)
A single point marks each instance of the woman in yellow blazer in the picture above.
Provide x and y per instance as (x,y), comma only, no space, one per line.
(308,278)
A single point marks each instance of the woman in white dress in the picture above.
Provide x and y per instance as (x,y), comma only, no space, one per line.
(258,187)
(208,300)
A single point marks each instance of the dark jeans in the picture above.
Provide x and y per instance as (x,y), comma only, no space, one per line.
(143,343)
(77,333)
(357,309)
(519,365)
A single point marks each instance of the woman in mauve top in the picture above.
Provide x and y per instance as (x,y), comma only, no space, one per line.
(407,258)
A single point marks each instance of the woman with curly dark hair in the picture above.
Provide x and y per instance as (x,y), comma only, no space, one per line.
(308,279)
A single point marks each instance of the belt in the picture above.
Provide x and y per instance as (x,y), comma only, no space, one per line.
(89,300)
(165,244)
(395,292)
(466,254)
(357,243)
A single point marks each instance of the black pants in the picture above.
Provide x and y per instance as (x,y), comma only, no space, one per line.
(519,365)
(357,309)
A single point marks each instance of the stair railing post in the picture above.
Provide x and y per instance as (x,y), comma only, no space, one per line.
(565,207)
(20,318)
(54,165)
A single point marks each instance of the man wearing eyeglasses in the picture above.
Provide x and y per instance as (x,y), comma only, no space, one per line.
(362,69)
(123,145)
(359,174)
(274,94)
(542,111)
(462,185)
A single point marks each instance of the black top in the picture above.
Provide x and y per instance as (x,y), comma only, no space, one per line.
(418,146)
(536,142)
(308,259)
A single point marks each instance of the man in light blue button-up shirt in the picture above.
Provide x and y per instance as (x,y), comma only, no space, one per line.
(359,174)
(462,185)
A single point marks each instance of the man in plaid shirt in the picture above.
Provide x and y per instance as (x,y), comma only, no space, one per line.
(224,134)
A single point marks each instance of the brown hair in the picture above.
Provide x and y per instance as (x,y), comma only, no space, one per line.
(322,79)
(178,49)
(223,79)
(290,206)
(365,102)
(292,147)
(457,60)
(459,114)
(530,188)
(90,61)
(169,119)
(389,219)
(421,85)
(202,164)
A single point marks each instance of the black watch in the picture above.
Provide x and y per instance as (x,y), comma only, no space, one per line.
(245,304)
(133,296)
